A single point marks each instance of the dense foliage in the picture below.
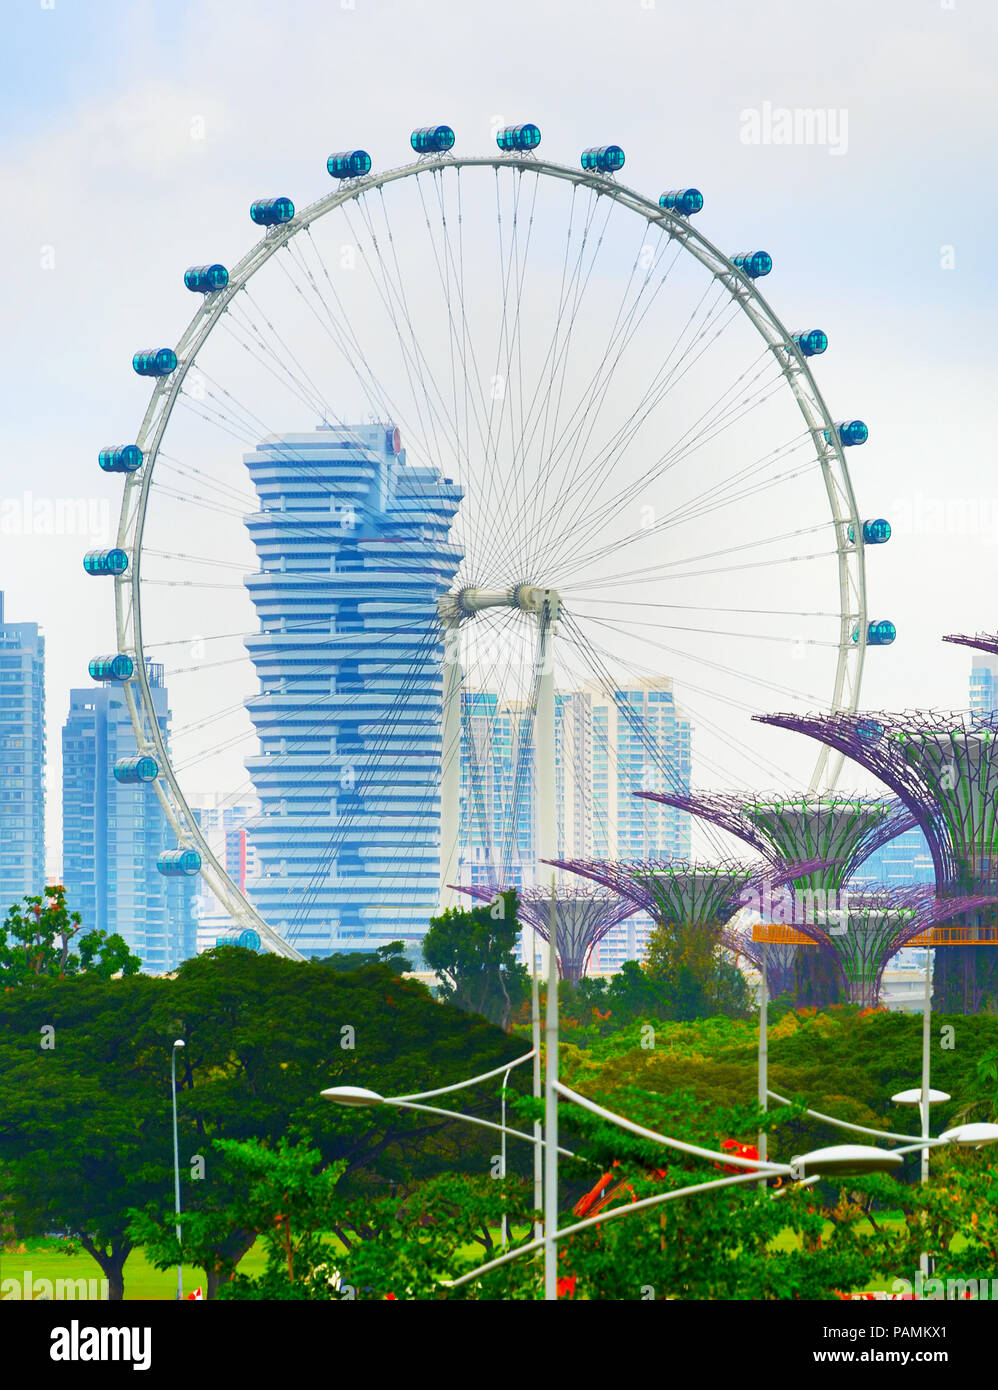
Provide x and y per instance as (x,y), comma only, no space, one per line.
(37,942)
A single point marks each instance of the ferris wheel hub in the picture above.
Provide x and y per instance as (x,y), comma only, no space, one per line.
(528,598)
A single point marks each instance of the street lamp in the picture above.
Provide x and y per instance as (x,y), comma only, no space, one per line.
(838,1160)
(359,1096)
(176,1163)
(970,1136)
(362,1096)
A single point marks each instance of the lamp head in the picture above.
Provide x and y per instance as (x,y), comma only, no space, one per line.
(971,1136)
(845,1160)
(914,1097)
(353,1095)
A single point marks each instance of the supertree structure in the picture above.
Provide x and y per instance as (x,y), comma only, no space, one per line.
(873,925)
(701,894)
(838,831)
(944,766)
(983,642)
(583,916)
(683,891)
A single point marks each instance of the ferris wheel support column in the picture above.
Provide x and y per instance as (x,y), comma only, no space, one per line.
(450,760)
(544,742)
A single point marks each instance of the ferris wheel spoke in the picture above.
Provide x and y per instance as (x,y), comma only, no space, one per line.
(422,382)
(766,766)
(594,392)
(718,666)
(648,571)
(700,505)
(654,394)
(512,382)
(336,326)
(681,448)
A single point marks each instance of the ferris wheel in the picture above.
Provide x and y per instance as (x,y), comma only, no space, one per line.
(511,428)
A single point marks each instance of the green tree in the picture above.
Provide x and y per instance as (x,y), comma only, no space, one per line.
(392,954)
(698,978)
(471,950)
(284,1193)
(84,1110)
(36,942)
(85,1126)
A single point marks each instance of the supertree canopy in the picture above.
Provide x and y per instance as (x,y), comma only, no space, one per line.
(704,894)
(873,926)
(583,916)
(837,831)
(983,642)
(673,891)
(944,766)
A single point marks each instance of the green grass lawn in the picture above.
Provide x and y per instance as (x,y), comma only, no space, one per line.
(51,1259)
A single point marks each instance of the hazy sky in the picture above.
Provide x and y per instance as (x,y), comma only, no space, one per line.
(135,135)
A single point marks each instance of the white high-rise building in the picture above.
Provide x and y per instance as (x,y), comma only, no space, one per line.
(608,745)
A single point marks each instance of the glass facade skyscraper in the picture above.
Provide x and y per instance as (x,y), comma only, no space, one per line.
(113,833)
(353,549)
(608,744)
(22,761)
(984,683)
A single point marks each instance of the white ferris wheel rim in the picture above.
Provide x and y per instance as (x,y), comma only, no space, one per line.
(166,392)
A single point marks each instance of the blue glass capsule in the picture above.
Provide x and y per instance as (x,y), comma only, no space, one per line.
(271,212)
(876,532)
(112,668)
(349,164)
(206,279)
(155,361)
(120,458)
(753,263)
(432,139)
(179,863)
(685,201)
(519,137)
(247,939)
(139,769)
(811,343)
(878,634)
(106,561)
(604,159)
(850,433)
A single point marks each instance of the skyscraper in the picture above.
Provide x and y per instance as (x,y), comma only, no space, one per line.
(608,744)
(223,822)
(984,683)
(114,832)
(354,552)
(22,761)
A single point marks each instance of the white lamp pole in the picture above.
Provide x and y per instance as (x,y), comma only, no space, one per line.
(551,1119)
(176,1162)
(763,1048)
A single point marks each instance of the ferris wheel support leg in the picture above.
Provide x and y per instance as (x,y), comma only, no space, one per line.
(450,764)
(544,746)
